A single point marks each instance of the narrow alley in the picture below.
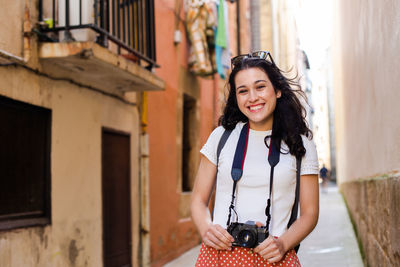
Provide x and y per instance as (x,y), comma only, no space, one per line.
(109,109)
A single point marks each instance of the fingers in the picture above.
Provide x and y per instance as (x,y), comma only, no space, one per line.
(259,224)
(264,244)
(271,254)
(218,238)
(271,249)
(210,243)
(223,234)
(275,259)
(215,242)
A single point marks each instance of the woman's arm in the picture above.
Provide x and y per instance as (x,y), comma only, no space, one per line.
(274,249)
(213,235)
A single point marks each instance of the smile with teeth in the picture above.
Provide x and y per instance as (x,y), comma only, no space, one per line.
(256,108)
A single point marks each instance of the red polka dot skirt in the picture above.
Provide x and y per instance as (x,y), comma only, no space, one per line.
(241,257)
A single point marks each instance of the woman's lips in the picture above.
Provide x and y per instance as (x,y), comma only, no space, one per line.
(256,108)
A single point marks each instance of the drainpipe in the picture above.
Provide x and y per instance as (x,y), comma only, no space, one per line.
(238,25)
(255,24)
(144,207)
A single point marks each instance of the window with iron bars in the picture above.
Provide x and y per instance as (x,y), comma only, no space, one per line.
(126,25)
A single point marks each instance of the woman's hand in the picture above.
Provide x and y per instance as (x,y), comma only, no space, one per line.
(217,237)
(213,235)
(271,249)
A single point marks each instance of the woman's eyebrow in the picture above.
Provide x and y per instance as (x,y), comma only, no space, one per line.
(258,81)
(244,86)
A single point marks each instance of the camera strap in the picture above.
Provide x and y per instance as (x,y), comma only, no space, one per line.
(293,215)
(273,159)
(238,163)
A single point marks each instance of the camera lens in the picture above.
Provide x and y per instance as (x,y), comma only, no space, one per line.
(246,238)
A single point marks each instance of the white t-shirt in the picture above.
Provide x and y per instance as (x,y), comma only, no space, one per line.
(253,188)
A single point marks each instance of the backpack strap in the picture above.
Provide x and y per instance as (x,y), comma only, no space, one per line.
(222,142)
(293,215)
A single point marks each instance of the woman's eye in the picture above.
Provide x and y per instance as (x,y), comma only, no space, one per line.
(242,91)
(261,87)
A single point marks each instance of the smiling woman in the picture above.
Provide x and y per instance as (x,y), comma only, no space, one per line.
(256,98)
(262,117)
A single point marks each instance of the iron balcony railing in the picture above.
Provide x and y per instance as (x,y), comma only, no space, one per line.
(127,23)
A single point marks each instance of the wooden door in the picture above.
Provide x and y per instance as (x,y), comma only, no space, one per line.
(116,199)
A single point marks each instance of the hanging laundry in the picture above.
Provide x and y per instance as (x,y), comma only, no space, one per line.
(200,24)
(221,40)
(222,50)
(198,3)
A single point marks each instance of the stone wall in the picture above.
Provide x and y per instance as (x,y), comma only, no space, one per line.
(374,205)
(365,78)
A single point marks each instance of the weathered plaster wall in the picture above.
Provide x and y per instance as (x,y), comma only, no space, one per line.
(366,74)
(74,237)
(366,79)
(11,26)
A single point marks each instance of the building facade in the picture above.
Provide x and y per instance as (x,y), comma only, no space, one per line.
(71,105)
(101,96)
(367,129)
(103,122)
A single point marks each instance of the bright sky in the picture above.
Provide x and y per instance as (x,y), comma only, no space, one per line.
(314,22)
(314,25)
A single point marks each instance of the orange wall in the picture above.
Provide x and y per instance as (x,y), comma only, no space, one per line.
(170,235)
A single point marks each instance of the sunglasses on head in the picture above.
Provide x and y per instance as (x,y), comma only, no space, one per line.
(255,55)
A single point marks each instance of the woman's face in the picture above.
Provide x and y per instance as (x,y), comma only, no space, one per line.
(256,97)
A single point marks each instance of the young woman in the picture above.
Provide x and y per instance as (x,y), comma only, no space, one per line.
(261,99)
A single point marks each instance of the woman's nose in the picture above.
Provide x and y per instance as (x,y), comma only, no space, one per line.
(253,95)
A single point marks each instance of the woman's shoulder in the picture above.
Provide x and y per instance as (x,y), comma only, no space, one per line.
(309,164)
(210,148)
(218,131)
(311,148)
(216,134)
(307,141)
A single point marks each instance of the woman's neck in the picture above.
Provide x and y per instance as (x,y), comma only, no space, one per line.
(260,126)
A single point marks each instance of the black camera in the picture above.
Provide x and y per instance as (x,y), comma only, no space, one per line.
(247,234)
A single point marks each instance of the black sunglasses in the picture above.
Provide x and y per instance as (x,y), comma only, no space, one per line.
(255,55)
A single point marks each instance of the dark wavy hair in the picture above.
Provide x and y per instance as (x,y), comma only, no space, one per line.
(289,114)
